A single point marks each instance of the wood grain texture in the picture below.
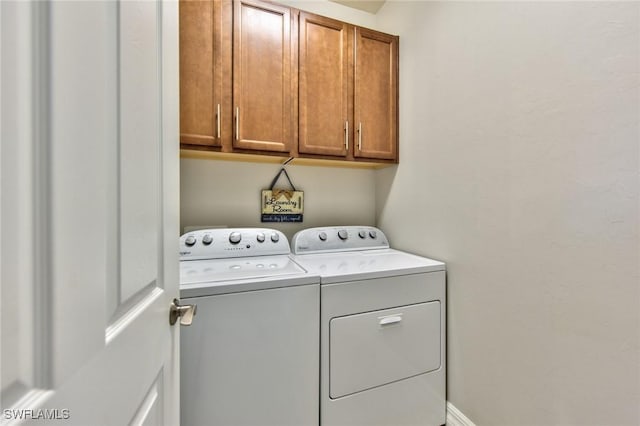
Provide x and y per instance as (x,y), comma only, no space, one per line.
(205,72)
(223,90)
(262,91)
(376,94)
(197,121)
(324,103)
(295,81)
(286,82)
(205,153)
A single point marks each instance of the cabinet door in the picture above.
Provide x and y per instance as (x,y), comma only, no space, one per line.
(325,99)
(262,85)
(376,95)
(205,72)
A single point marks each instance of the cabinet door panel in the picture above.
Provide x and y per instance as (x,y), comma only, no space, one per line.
(262,76)
(324,86)
(376,94)
(205,66)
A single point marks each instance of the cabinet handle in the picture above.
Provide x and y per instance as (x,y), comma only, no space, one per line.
(237,123)
(218,121)
(346,135)
(360,136)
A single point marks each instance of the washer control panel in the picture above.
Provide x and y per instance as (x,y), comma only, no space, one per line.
(222,243)
(338,238)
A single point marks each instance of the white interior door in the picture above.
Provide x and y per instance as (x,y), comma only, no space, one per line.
(89,202)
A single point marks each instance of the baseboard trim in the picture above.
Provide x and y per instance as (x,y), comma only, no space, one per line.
(456,418)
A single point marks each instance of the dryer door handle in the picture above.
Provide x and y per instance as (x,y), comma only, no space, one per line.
(392,319)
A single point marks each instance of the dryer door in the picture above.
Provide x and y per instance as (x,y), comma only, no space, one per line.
(376,348)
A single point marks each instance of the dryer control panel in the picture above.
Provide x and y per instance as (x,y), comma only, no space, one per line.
(222,243)
(338,238)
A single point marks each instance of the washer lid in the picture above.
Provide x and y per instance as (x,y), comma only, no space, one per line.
(220,276)
(242,268)
(361,265)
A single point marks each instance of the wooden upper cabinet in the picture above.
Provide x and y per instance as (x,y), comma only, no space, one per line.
(205,72)
(325,101)
(376,95)
(262,84)
(348,91)
(256,76)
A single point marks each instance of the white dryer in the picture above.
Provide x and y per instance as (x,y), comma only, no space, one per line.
(251,355)
(382,329)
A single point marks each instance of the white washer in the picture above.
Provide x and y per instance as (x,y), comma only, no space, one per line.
(382,329)
(251,355)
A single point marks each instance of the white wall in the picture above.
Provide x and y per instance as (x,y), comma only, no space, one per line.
(519,143)
(335,11)
(227,193)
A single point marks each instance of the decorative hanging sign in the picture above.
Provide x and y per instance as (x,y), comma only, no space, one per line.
(282,205)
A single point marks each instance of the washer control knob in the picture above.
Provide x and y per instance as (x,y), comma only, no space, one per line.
(207,239)
(190,241)
(362,234)
(275,237)
(373,234)
(260,237)
(342,234)
(235,237)
(322,236)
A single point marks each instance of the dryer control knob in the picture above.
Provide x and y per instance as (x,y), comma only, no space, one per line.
(190,240)
(322,236)
(235,237)
(275,237)
(362,234)
(260,237)
(373,234)
(207,239)
(342,234)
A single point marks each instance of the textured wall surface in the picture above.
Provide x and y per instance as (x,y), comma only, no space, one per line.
(519,144)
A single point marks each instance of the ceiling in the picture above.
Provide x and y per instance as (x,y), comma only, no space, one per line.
(371,6)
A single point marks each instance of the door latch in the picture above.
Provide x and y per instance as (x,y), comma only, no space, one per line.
(184,312)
